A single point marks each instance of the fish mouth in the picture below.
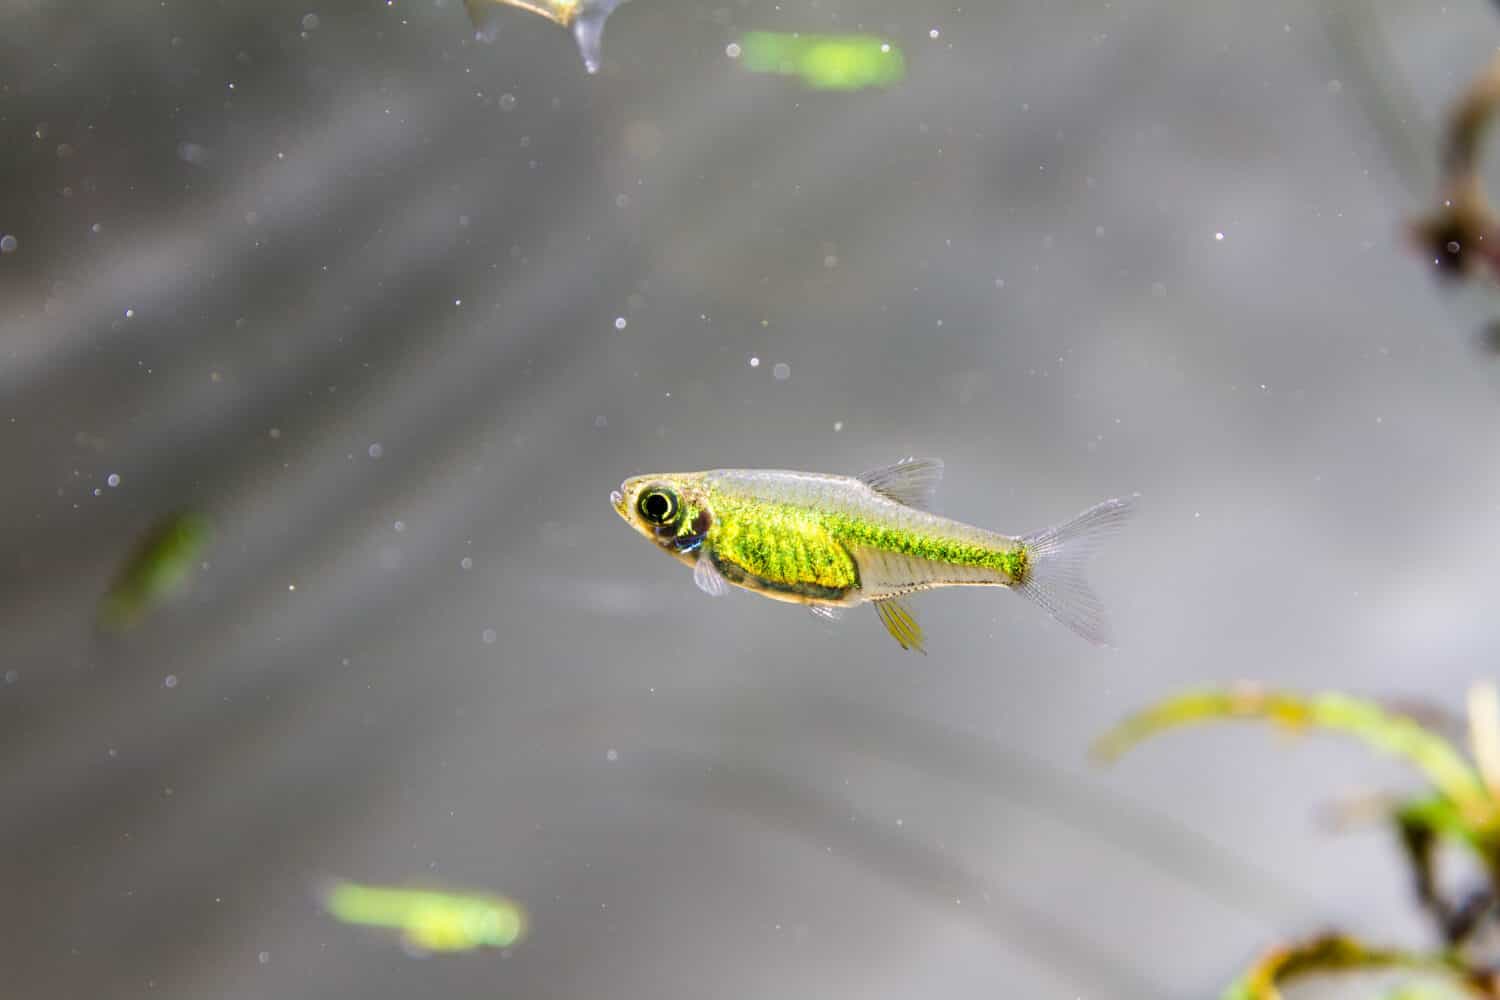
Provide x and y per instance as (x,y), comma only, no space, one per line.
(617,498)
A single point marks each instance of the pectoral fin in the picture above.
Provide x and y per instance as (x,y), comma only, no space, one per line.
(828,612)
(707,576)
(898,620)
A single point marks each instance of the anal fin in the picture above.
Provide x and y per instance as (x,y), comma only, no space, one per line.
(895,614)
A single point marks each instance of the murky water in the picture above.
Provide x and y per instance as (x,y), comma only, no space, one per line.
(398,309)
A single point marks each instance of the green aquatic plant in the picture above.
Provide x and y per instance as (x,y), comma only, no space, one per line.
(1336,953)
(429,920)
(824,62)
(157,568)
(1460,807)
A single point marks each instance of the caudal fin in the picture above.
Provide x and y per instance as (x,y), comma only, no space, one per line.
(1058,557)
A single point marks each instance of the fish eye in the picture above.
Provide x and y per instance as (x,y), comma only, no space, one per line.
(658,505)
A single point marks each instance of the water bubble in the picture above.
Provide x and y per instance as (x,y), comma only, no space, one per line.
(96,228)
(1219,236)
(934,34)
(782,371)
(619,322)
(612,755)
(838,425)
(399,526)
(11,676)
(375,450)
(169,681)
(488,636)
(601,422)
(310,22)
(8,243)
(507,102)
(754,362)
(265,956)
(466,563)
(732,50)
(114,479)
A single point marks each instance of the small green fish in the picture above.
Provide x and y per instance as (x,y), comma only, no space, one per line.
(832,542)
(156,569)
(429,920)
(585,18)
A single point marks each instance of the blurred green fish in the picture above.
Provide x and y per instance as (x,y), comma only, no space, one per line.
(429,920)
(585,18)
(832,542)
(156,569)
(825,62)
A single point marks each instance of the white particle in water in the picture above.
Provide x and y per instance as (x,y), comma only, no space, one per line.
(96,228)
(488,636)
(612,755)
(466,563)
(885,46)
(619,322)
(310,22)
(265,956)
(782,371)
(11,676)
(838,425)
(1219,236)
(375,450)
(732,50)
(169,681)
(507,102)
(601,422)
(114,479)
(129,313)
(754,362)
(934,34)
(399,526)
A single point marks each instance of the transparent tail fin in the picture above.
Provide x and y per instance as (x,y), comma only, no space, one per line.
(1059,556)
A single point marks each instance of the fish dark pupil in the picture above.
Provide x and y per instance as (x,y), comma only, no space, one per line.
(656,507)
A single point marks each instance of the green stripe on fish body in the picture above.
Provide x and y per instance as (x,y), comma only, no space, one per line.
(781,547)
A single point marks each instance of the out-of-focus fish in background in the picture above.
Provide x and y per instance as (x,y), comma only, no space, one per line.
(824,62)
(585,18)
(832,542)
(429,920)
(156,569)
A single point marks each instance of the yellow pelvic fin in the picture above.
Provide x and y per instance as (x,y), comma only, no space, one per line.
(898,620)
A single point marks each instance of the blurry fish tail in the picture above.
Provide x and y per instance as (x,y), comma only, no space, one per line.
(1057,557)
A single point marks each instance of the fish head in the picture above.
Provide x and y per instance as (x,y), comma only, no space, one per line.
(671,509)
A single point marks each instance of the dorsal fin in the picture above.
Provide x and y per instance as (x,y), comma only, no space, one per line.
(911,481)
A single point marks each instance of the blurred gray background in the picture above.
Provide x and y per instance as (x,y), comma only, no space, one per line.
(356,292)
